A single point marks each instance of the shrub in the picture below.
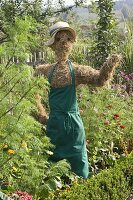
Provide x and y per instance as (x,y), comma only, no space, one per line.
(115,183)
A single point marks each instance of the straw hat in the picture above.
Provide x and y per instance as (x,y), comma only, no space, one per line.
(58,27)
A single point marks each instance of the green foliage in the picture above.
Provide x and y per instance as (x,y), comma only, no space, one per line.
(37,9)
(78,55)
(24,147)
(115,183)
(49,55)
(10,9)
(104,36)
(107,118)
(126,47)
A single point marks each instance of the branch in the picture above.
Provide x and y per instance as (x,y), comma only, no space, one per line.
(9,80)
(10,60)
(15,123)
(56,12)
(3,40)
(7,65)
(16,103)
(10,90)
(2,164)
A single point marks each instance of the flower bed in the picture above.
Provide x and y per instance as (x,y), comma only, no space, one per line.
(115,183)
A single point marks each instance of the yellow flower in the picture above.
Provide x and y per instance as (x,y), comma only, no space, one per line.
(24,145)
(11,152)
(5,146)
(14,169)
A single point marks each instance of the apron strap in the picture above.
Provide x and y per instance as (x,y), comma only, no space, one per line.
(72,72)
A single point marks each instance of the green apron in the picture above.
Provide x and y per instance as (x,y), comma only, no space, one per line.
(65,127)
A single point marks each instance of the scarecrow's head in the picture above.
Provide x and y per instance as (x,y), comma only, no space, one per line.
(62,39)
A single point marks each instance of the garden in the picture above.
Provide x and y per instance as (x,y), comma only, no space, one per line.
(25,170)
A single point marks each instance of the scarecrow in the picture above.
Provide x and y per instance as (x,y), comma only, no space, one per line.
(64,125)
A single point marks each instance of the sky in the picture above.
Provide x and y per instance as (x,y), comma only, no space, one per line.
(70,2)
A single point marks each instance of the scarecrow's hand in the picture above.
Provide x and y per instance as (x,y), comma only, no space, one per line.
(42,114)
(90,76)
(113,61)
(43,119)
(107,70)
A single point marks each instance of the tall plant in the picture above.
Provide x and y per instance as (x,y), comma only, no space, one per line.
(104,34)
(24,148)
(126,47)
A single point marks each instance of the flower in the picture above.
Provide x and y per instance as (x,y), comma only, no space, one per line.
(5,146)
(81,111)
(87,141)
(127,78)
(102,114)
(116,116)
(109,106)
(24,145)
(106,122)
(14,169)
(130,75)
(122,74)
(21,195)
(24,195)
(122,126)
(11,152)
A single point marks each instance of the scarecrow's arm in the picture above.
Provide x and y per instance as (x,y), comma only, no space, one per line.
(42,70)
(42,115)
(88,75)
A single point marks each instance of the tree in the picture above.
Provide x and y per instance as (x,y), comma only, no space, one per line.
(104,36)
(38,9)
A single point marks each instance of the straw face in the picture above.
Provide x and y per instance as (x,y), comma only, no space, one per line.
(58,27)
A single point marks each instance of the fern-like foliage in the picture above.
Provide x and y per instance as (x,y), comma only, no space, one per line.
(24,147)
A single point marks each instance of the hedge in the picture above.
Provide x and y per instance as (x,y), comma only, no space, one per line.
(112,184)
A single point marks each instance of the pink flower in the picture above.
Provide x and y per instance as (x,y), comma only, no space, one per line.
(122,74)
(122,126)
(126,78)
(106,122)
(130,75)
(24,195)
(116,116)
